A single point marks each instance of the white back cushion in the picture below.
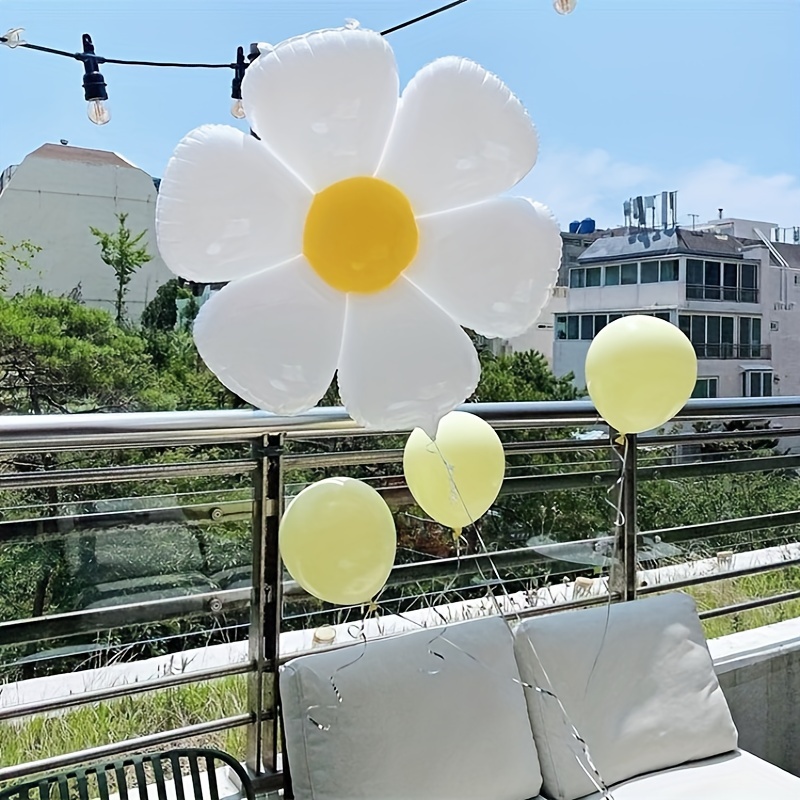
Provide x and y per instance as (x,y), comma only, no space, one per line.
(637,682)
(404,722)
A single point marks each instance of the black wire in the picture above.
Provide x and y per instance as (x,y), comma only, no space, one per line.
(422,17)
(126,62)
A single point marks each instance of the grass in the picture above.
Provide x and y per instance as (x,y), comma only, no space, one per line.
(739,590)
(129,717)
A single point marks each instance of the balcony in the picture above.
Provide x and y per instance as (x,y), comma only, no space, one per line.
(726,294)
(129,544)
(735,351)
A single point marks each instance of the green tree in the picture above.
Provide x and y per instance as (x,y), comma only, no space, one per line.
(161,313)
(523,376)
(125,254)
(59,356)
(14,255)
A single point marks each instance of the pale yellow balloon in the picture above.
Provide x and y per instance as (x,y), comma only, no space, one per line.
(338,541)
(640,371)
(455,479)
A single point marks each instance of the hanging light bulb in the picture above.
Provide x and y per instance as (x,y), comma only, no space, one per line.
(565,6)
(237,109)
(98,112)
(94,85)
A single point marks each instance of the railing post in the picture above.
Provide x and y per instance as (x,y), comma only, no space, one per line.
(265,609)
(623,577)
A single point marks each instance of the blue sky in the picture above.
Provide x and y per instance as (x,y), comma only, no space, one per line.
(630,96)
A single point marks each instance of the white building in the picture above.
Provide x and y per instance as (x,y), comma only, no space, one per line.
(539,336)
(53,197)
(735,294)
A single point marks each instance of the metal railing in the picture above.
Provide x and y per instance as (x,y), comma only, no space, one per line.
(727,351)
(271,447)
(727,294)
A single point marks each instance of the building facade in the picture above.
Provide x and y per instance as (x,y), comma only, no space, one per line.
(52,199)
(539,336)
(733,292)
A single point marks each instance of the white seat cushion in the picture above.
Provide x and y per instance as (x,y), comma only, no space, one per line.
(734,776)
(638,684)
(438,714)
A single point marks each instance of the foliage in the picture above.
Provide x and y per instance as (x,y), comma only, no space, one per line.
(732,448)
(17,255)
(59,356)
(125,254)
(161,313)
(127,718)
(521,377)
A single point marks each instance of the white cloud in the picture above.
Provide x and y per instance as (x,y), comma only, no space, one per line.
(578,184)
(740,193)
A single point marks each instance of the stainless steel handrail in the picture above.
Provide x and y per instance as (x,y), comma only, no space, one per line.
(68,431)
(174,429)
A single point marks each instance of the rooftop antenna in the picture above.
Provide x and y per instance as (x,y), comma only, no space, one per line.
(694,219)
(720,212)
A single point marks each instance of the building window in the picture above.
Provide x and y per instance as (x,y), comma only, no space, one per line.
(586,326)
(668,270)
(612,275)
(594,276)
(749,283)
(712,280)
(730,282)
(733,282)
(649,272)
(630,274)
(577,278)
(705,388)
(715,336)
(757,383)
(600,321)
(750,337)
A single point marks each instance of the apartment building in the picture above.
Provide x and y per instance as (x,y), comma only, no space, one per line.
(730,289)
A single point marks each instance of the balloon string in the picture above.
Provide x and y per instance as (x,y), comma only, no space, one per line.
(619,484)
(619,523)
(357,631)
(594,776)
(592,772)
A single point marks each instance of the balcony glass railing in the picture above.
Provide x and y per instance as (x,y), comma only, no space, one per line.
(729,294)
(724,350)
(140,571)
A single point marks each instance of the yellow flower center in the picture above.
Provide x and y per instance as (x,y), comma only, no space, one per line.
(360,234)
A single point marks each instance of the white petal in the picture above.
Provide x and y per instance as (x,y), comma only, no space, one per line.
(324,103)
(490,266)
(227,207)
(460,137)
(274,338)
(404,362)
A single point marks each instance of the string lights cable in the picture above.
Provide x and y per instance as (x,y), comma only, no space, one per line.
(94,85)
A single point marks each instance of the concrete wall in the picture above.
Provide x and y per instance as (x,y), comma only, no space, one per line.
(759,672)
(541,334)
(649,296)
(53,202)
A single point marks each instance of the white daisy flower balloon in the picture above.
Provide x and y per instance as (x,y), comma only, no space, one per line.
(359,231)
